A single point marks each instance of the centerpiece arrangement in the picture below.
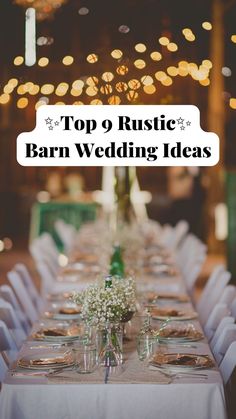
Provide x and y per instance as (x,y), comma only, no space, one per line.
(110,299)
(105,305)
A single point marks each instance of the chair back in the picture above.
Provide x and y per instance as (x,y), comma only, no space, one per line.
(223,342)
(219,311)
(228,363)
(23,296)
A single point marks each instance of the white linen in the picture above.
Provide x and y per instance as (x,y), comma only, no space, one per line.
(185,398)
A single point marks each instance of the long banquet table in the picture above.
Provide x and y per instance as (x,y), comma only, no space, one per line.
(138,393)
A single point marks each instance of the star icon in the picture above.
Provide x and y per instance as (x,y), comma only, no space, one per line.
(50,127)
(182,127)
(56,123)
(48,120)
(180,120)
(188,123)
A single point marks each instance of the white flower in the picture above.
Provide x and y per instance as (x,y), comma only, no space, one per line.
(100,304)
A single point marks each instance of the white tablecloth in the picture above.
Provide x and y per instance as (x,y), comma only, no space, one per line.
(185,398)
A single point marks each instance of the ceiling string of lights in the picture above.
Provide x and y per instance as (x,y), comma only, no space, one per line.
(107,88)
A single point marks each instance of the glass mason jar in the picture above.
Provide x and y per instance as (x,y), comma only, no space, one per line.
(146,346)
(109,342)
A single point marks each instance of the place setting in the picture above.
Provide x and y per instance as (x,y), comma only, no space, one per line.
(58,331)
(172,313)
(66,310)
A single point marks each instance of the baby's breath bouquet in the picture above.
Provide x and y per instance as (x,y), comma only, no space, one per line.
(101,304)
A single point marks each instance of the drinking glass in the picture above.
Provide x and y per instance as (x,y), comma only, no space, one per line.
(146,346)
(85,358)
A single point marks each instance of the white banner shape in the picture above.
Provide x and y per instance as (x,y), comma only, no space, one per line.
(125,135)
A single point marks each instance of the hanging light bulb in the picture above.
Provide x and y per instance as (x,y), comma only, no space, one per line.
(30,40)
(45,9)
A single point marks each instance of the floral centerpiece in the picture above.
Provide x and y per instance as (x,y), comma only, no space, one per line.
(101,304)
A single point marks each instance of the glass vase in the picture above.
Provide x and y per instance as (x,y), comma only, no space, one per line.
(110,344)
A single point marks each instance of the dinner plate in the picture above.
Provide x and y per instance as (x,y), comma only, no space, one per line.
(172,314)
(154,297)
(180,334)
(160,270)
(46,360)
(181,362)
(59,297)
(58,333)
(64,313)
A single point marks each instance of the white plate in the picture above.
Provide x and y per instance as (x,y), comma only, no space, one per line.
(185,316)
(202,362)
(62,359)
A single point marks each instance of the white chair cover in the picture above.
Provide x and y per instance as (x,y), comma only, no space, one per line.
(8,315)
(213,297)
(217,314)
(23,296)
(228,363)
(3,368)
(29,284)
(226,320)
(223,342)
(7,294)
(7,343)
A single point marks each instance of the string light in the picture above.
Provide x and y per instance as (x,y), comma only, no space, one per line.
(114,100)
(13,82)
(164,41)
(132,96)
(134,84)
(34,90)
(233,38)
(232,103)
(96,102)
(78,84)
(22,103)
(92,81)
(167,81)
(21,90)
(207,63)
(4,98)
(150,89)
(92,58)
(47,89)
(8,89)
(200,74)
(107,76)
(18,60)
(207,26)
(76,92)
(91,90)
(68,60)
(172,71)
(156,56)
(43,62)
(106,89)
(147,80)
(117,54)
(140,64)
(172,47)
(38,104)
(121,86)
(160,75)
(140,48)
(122,70)
(62,88)
(204,82)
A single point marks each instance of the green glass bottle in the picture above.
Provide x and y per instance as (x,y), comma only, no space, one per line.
(117,267)
(108,281)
